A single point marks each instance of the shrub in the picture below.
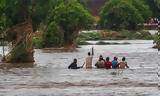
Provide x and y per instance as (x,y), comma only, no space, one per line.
(53,37)
(37,42)
(69,17)
(157,40)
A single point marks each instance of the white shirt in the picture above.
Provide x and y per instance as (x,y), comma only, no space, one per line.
(89,62)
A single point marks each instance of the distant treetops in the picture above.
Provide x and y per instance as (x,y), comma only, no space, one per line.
(124,14)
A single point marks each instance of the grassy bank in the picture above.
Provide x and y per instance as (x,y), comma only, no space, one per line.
(100,36)
(112,35)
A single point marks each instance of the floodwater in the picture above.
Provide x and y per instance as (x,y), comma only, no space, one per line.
(50,76)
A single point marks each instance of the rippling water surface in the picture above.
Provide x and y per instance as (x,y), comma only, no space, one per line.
(50,76)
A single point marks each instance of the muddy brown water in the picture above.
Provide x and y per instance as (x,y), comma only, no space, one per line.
(50,76)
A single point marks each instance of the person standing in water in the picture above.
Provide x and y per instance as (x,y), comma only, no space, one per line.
(123,64)
(115,63)
(100,63)
(108,63)
(73,65)
(89,61)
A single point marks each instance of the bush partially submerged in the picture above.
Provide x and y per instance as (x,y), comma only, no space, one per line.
(64,22)
(20,54)
(157,40)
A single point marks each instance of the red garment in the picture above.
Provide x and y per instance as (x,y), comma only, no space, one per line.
(108,65)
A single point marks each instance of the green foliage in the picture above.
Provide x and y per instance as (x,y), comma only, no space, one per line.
(157,3)
(53,37)
(2,17)
(19,54)
(40,11)
(2,23)
(157,40)
(18,11)
(37,42)
(123,14)
(142,8)
(69,17)
(64,17)
(142,35)
(89,36)
(83,2)
(111,35)
(155,7)
(2,6)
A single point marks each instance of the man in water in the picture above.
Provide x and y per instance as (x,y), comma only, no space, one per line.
(89,61)
(123,64)
(73,65)
(115,63)
(100,63)
(108,63)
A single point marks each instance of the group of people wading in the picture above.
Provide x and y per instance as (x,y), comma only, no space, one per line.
(114,64)
(101,63)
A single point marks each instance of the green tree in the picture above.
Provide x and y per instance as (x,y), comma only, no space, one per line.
(70,17)
(21,17)
(155,7)
(124,14)
(3,25)
(18,11)
(53,37)
(142,8)
(2,17)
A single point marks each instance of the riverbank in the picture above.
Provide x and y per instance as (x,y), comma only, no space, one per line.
(101,36)
(116,35)
(113,35)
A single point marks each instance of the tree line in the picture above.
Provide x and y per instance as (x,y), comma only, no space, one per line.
(61,20)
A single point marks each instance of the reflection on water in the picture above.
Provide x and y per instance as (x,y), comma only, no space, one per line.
(50,76)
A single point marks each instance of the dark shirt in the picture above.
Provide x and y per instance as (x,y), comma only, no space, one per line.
(73,66)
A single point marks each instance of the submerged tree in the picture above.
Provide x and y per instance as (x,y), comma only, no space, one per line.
(157,40)
(22,17)
(20,33)
(65,20)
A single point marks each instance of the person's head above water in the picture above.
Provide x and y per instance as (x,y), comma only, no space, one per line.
(89,53)
(75,60)
(115,58)
(123,59)
(100,57)
(107,59)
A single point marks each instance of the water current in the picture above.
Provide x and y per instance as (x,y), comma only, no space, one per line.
(50,76)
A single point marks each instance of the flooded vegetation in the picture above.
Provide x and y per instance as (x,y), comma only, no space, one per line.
(54,27)
(50,77)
